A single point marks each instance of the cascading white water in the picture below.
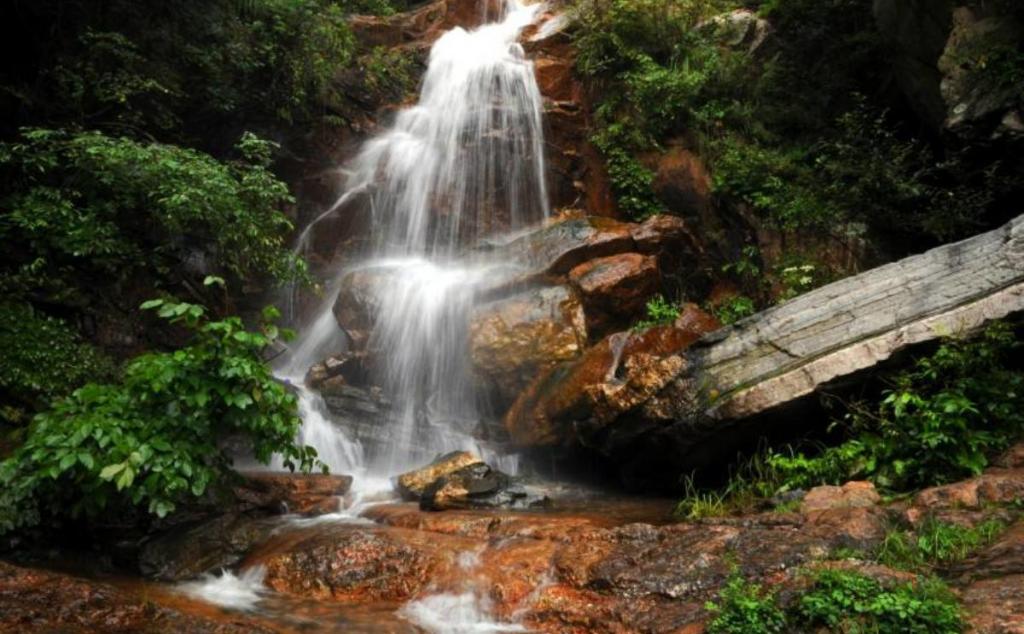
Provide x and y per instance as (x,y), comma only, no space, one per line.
(462,164)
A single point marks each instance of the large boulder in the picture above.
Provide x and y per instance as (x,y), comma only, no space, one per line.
(979,102)
(558,247)
(575,401)
(513,339)
(615,289)
(740,29)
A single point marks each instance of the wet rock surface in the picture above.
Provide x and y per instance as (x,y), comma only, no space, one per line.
(578,400)
(584,565)
(460,480)
(39,601)
(513,339)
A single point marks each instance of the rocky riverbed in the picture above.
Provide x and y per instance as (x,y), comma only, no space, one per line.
(582,563)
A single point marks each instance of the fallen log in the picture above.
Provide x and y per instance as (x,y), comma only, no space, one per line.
(790,350)
(650,398)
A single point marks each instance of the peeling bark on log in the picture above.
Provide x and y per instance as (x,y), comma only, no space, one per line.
(786,352)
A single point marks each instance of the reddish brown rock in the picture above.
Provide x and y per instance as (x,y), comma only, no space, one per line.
(857,494)
(356,563)
(306,494)
(995,486)
(514,339)
(1013,458)
(615,289)
(612,377)
(43,602)
(992,584)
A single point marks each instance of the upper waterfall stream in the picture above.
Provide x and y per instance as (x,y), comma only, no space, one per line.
(466,162)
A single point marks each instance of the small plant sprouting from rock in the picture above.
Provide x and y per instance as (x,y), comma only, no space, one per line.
(660,311)
(743,607)
(838,601)
(936,544)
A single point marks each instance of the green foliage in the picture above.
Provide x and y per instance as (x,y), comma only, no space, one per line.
(641,52)
(659,311)
(941,421)
(175,68)
(936,544)
(846,601)
(84,206)
(797,278)
(43,359)
(745,608)
(152,439)
(734,309)
(388,71)
(698,504)
(840,601)
(803,154)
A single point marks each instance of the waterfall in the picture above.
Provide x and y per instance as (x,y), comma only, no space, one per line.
(462,164)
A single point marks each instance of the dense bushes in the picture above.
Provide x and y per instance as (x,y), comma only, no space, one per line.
(839,601)
(940,421)
(179,71)
(799,130)
(86,206)
(43,359)
(152,439)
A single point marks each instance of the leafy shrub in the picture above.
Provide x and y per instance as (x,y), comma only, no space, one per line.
(841,601)
(941,420)
(81,206)
(207,63)
(846,601)
(43,359)
(734,309)
(659,311)
(745,608)
(936,543)
(152,439)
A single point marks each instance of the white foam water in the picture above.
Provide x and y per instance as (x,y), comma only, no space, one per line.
(237,592)
(464,613)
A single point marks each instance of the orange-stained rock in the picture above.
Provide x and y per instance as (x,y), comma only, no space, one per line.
(357,563)
(993,584)
(412,484)
(294,492)
(514,339)
(612,377)
(858,494)
(555,78)
(615,289)
(1012,458)
(849,526)
(996,486)
(682,183)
